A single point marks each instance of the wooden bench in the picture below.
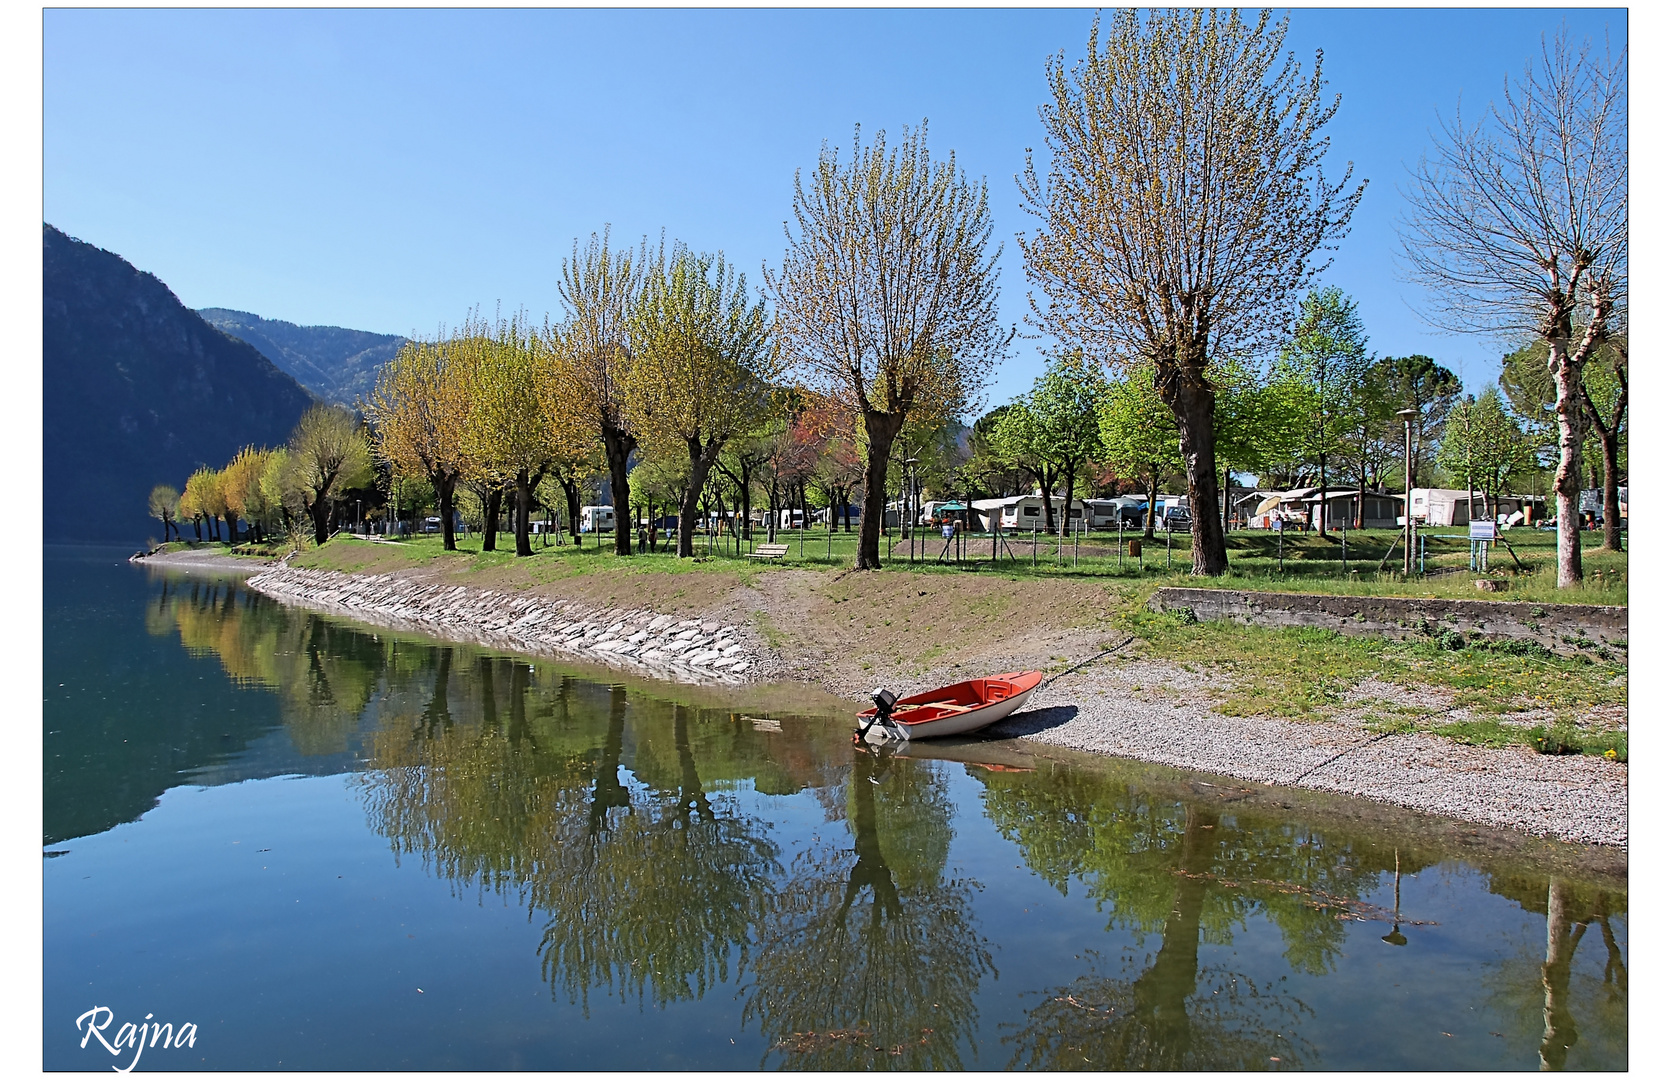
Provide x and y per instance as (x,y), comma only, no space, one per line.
(769,551)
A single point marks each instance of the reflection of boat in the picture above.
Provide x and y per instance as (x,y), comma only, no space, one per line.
(950,710)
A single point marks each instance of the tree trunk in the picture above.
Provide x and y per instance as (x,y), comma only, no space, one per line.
(571,499)
(618,446)
(772,512)
(321,511)
(197,526)
(1612,523)
(1192,404)
(1569,471)
(524,508)
(880,429)
(701,460)
(490,518)
(444,483)
(1323,497)
(1363,488)
(1067,502)
(1154,490)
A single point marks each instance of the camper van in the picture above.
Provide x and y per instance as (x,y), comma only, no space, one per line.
(597,519)
(1111,513)
(1025,513)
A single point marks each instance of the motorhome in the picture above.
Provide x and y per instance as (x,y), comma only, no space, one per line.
(597,519)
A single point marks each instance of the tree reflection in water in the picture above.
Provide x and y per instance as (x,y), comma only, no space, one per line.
(868,957)
(1174,1015)
(1576,1016)
(647,891)
(1180,869)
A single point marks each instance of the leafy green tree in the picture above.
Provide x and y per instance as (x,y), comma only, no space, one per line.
(1484,446)
(1053,431)
(1329,355)
(328,452)
(1421,383)
(417,411)
(593,354)
(1139,434)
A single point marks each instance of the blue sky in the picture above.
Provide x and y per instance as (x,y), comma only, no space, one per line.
(387,170)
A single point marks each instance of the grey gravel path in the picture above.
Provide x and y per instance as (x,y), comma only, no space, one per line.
(1114,708)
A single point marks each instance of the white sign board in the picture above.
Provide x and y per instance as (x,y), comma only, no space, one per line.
(1482,530)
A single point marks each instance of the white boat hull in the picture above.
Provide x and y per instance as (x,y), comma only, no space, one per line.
(956,724)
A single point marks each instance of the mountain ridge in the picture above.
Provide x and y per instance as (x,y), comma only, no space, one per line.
(334,362)
(138,390)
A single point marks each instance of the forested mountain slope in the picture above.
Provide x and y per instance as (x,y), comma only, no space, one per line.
(137,390)
(337,364)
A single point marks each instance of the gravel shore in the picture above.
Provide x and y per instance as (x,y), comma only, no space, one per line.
(203,560)
(1109,708)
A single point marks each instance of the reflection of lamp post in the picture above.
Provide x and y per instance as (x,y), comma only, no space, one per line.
(1395,938)
(1408,416)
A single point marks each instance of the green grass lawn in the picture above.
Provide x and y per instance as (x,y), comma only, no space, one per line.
(1305,563)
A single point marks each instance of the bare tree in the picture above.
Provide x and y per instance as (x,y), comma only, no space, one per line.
(888,297)
(1183,209)
(598,288)
(1520,221)
(1605,401)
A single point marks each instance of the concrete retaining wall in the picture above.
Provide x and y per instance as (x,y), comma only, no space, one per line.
(662,646)
(1564,628)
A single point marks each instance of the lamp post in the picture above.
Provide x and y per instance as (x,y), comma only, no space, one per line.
(908,505)
(1408,416)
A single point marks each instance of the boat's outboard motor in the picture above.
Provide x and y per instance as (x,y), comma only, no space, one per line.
(884,700)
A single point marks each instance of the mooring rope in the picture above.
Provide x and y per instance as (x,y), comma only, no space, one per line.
(1090,660)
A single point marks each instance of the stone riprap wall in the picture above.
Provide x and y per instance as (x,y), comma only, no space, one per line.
(661,646)
(1564,628)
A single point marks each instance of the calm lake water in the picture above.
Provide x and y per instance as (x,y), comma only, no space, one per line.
(328,847)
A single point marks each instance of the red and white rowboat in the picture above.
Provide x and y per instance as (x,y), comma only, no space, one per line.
(953,710)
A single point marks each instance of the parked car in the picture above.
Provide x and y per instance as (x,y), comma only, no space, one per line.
(1176,519)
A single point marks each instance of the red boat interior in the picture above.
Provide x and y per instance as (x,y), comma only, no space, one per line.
(960,697)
